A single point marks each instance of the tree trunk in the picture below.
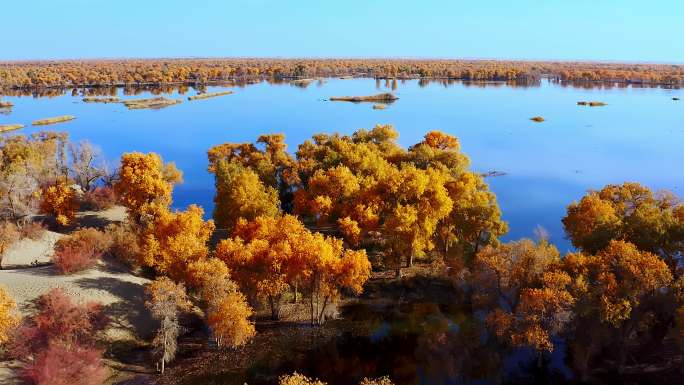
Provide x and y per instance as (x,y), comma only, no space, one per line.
(322,311)
(312,299)
(275,307)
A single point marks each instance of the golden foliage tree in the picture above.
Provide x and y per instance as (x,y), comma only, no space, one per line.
(419,201)
(614,282)
(415,198)
(59,200)
(526,297)
(300,379)
(241,194)
(474,221)
(173,240)
(227,311)
(270,255)
(615,292)
(9,234)
(629,212)
(26,164)
(145,184)
(9,317)
(271,162)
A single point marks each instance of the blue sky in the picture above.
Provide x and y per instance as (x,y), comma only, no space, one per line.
(611,30)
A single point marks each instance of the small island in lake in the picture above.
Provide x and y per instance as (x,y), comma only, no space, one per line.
(150,103)
(91,99)
(209,95)
(592,104)
(55,120)
(384,97)
(10,127)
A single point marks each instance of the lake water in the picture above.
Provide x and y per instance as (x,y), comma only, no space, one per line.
(638,136)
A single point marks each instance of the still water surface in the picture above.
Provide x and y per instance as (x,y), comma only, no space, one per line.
(638,136)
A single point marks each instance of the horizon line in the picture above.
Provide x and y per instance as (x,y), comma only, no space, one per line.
(389,58)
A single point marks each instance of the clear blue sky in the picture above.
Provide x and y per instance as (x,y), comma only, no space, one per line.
(617,30)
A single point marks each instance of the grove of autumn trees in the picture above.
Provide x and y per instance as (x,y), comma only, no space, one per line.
(397,203)
(92,73)
(618,296)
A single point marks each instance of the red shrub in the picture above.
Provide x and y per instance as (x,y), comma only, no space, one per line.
(124,245)
(58,320)
(102,198)
(59,365)
(80,250)
(9,234)
(72,258)
(32,230)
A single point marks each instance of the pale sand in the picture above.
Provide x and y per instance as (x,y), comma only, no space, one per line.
(28,252)
(110,283)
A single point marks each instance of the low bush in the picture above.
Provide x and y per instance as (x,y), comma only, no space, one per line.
(9,233)
(32,230)
(60,364)
(102,198)
(80,250)
(57,344)
(124,245)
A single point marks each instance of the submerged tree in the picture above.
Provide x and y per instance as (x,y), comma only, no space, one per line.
(629,212)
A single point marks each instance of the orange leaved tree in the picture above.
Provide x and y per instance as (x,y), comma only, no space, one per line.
(59,200)
(226,308)
(270,255)
(145,184)
(175,239)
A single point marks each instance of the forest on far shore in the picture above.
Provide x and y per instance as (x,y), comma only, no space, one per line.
(94,73)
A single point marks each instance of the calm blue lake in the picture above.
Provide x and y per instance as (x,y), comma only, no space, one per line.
(638,136)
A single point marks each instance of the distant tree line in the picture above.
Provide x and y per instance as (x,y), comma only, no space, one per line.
(97,73)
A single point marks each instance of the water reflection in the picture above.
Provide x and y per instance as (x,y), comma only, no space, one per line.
(418,331)
(380,83)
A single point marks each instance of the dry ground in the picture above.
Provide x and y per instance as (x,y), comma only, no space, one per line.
(28,274)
